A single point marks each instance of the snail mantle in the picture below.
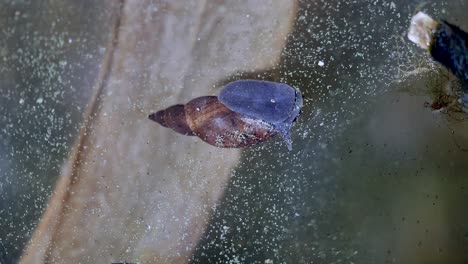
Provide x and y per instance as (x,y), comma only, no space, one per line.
(246,113)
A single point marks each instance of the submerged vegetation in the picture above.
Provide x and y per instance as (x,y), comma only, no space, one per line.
(444,90)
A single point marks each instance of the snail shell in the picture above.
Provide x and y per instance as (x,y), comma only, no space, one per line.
(247,112)
(214,123)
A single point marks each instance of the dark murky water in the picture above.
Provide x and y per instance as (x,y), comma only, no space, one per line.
(374,177)
(50,54)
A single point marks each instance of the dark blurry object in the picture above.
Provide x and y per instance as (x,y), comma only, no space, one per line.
(246,113)
(446,43)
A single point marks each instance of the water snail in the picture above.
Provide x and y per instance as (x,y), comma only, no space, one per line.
(245,113)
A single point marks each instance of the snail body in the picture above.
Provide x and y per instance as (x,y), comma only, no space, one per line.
(276,103)
(247,112)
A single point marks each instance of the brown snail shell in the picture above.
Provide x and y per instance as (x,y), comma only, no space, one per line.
(210,120)
(174,118)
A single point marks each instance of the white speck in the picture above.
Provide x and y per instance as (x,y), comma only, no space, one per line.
(273,101)
(247,16)
(148,227)
(321,63)
(321,124)
(224,232)
(296,214)
(17,13)
(70,40)
(40,100)
(21,101)
(198,109)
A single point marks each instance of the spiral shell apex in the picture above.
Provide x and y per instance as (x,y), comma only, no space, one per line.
(246,113)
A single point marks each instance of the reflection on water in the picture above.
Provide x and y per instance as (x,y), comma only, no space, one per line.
(375,177)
